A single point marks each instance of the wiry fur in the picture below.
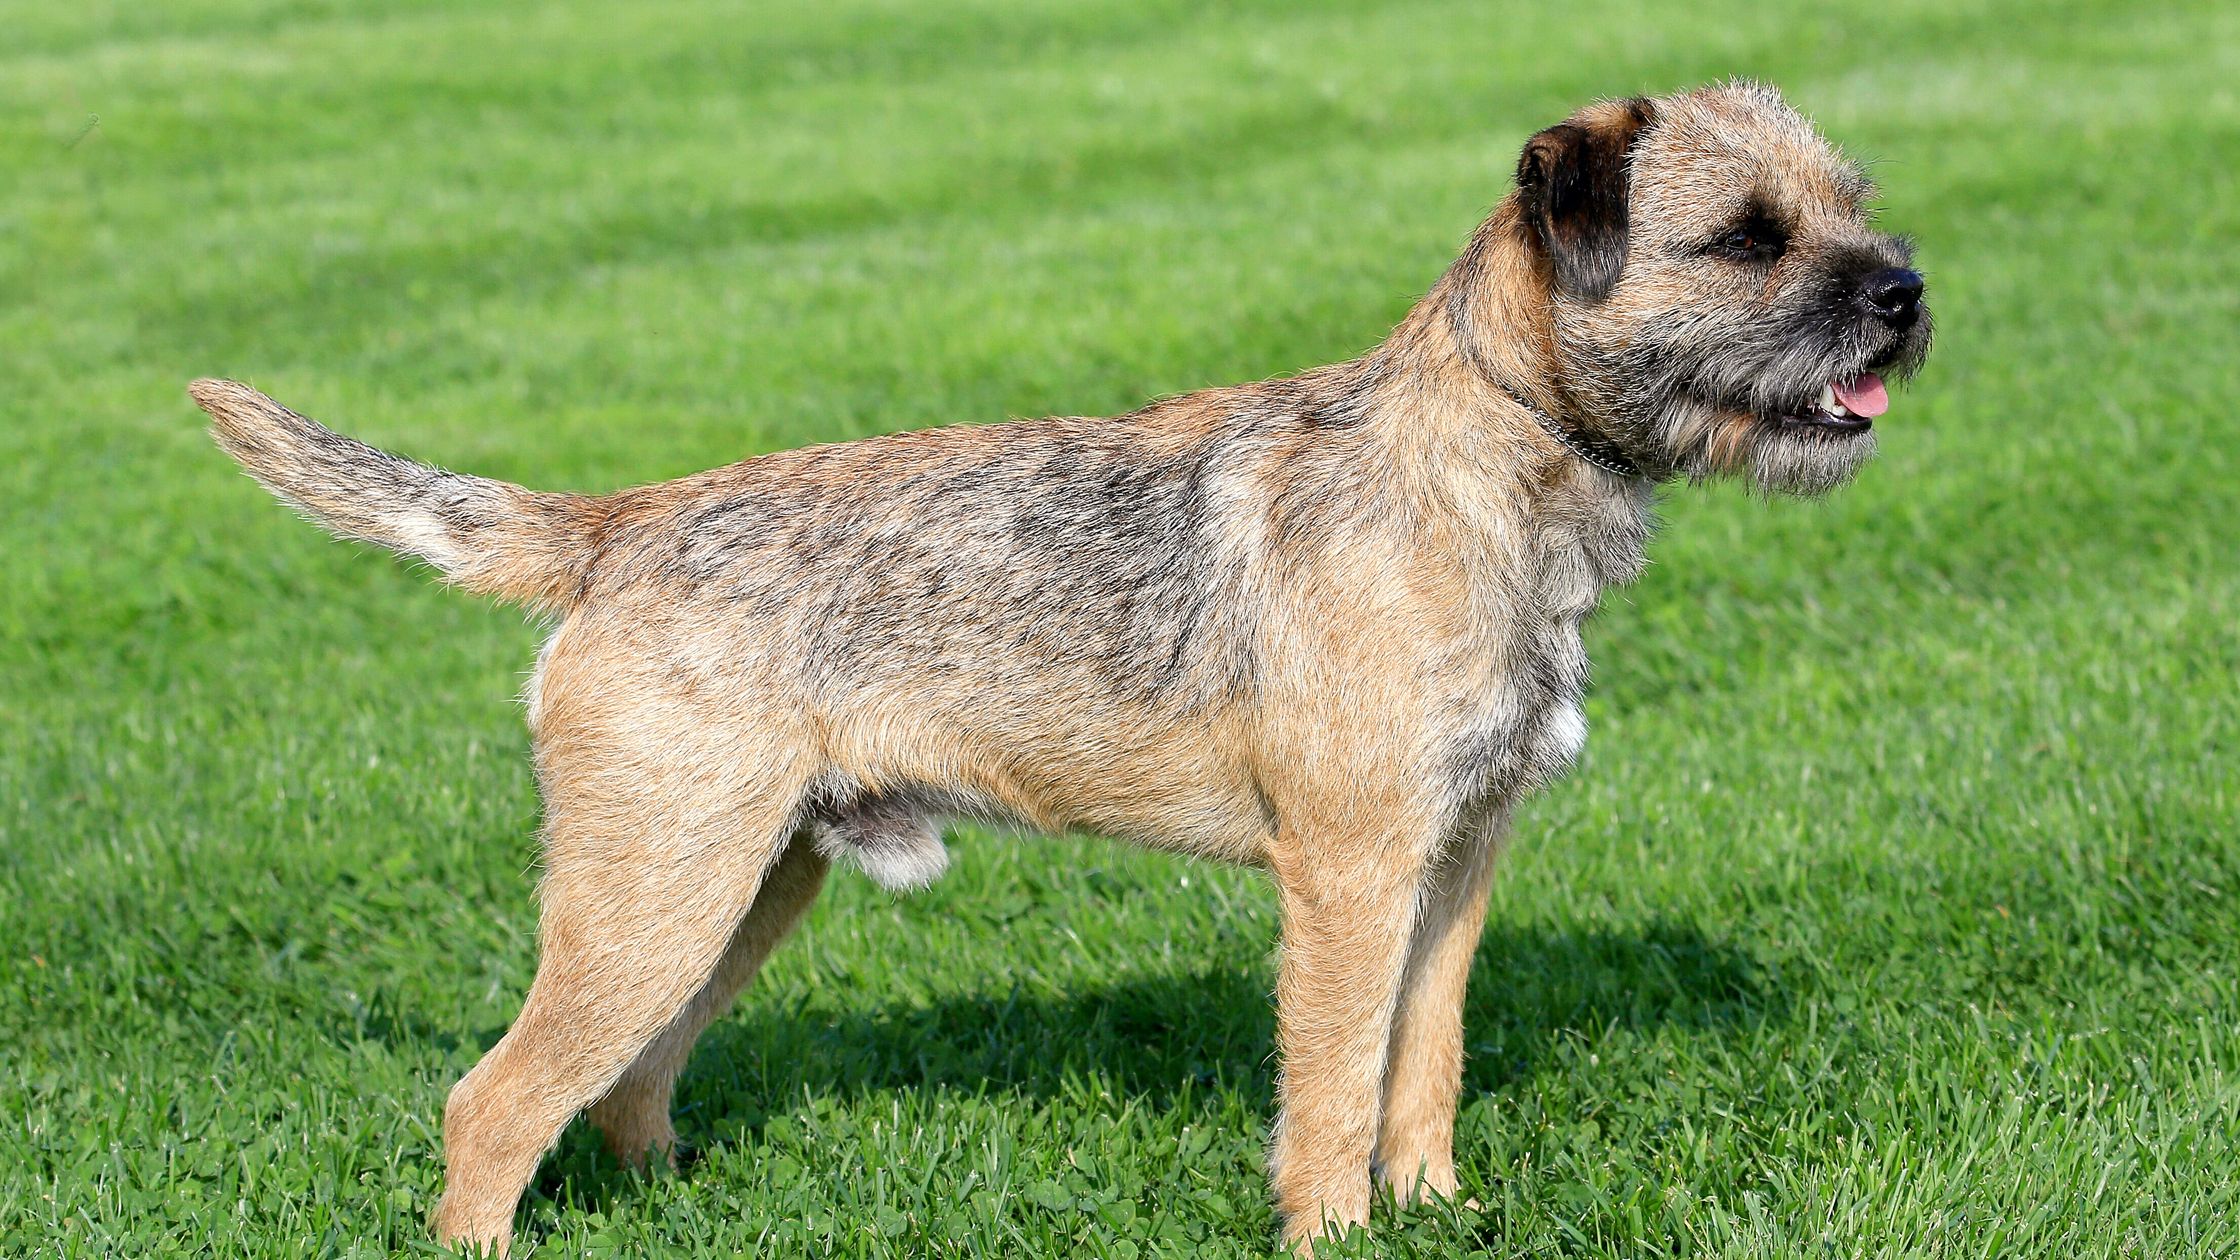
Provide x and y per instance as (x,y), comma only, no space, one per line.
(1328,626)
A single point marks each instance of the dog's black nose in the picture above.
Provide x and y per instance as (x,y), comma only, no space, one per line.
(1893,295)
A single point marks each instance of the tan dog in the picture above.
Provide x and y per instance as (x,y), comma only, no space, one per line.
(1327,626)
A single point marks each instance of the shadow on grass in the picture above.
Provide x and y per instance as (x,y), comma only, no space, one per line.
(1163,1041)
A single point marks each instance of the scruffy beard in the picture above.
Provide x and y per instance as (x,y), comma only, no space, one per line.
(1706,441)
(1752,405)
(1806,462)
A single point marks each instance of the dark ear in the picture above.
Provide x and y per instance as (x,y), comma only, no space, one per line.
(1572,184)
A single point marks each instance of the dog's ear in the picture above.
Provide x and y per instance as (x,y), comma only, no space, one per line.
(1571,183)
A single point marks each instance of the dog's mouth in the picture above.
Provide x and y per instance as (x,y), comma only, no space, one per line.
(1845,405)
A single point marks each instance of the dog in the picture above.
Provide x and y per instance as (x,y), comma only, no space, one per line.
(1327,626)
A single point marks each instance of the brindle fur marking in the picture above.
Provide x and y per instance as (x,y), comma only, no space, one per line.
(1328,626)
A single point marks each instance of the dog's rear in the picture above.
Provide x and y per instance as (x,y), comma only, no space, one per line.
(486,536)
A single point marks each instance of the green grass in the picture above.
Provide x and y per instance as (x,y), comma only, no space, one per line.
(1896,906)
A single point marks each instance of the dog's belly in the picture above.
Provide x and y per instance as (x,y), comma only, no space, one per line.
(895,838)
(1177,784)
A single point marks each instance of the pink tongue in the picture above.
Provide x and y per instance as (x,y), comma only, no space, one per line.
(1862,395)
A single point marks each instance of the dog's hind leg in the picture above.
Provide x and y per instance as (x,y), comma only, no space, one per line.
(655,851)
(634,1116)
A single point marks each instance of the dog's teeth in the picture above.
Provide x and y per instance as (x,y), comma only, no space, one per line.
(1828,400)
(1838,410)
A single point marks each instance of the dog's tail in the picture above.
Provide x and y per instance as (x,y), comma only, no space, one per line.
(487,536)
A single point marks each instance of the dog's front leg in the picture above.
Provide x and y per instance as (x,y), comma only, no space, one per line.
(1423,1071)
(1349,905)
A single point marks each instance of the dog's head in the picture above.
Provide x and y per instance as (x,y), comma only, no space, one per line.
(1717,300)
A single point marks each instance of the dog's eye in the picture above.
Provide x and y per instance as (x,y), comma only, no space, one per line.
(1752,242)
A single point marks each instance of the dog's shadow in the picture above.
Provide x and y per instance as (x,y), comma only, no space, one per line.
(1159,1041)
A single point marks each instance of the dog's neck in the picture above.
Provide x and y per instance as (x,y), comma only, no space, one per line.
(1490,321)
(1464,373)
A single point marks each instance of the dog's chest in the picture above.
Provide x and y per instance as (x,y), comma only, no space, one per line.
(1524,724)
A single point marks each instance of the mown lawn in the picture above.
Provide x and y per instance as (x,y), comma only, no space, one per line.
(1895,908)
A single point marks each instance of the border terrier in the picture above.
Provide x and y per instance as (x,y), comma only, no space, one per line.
(1327,626)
